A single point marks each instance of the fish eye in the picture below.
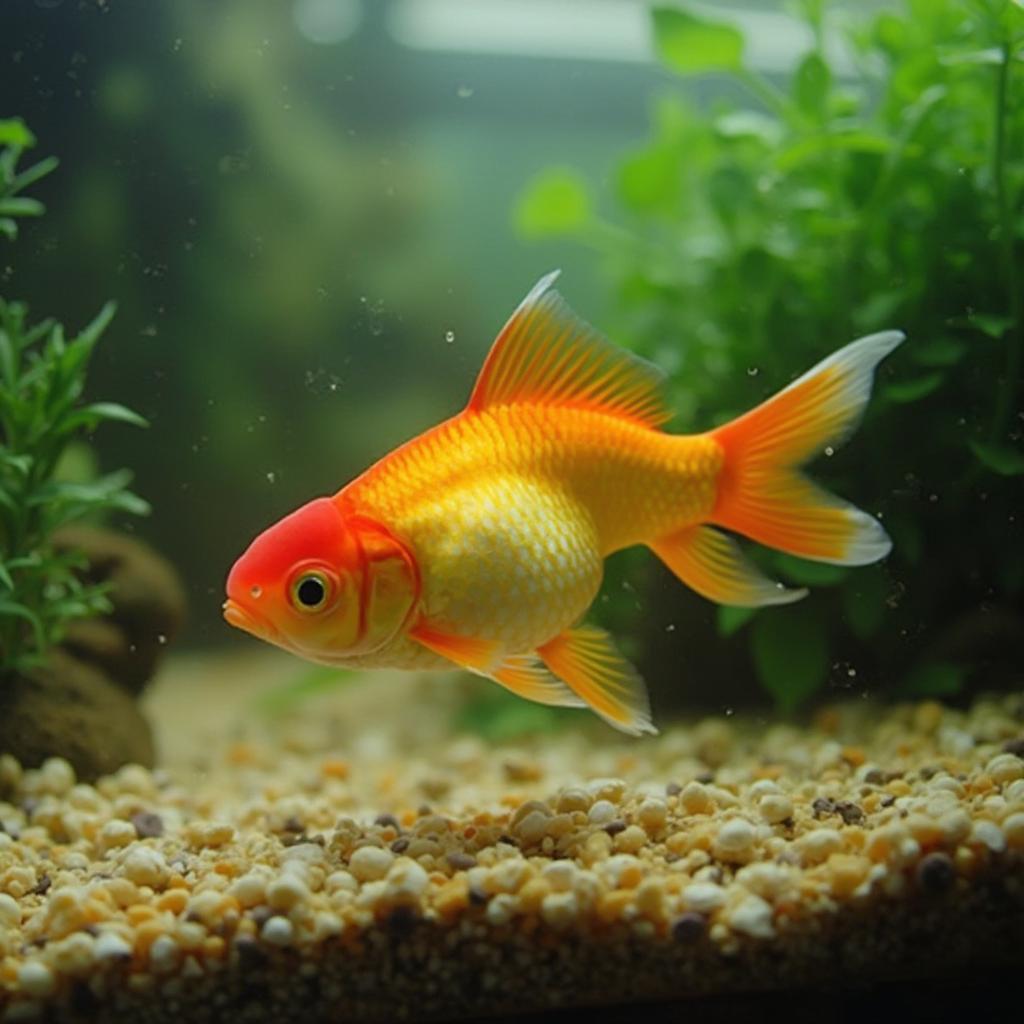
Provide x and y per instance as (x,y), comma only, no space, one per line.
(310,591)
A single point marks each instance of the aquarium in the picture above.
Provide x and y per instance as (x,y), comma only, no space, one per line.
(510,509)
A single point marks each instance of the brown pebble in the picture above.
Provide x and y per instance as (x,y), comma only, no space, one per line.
(292,824)
(148,825)
(400,845)
(874,777)
(849,812)
(689,927)
(477,896)
(613,828)
(704,778)
(1015,746)
(935,873)
(250,952)
(673,789)
(822,806)
(461,861)
(386,821)
(42,887)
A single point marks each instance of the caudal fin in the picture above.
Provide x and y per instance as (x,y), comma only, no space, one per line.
(763,495)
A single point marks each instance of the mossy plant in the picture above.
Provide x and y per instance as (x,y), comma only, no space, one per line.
(883,188)
(42,377)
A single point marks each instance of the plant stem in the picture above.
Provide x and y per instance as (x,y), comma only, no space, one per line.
(1005,394)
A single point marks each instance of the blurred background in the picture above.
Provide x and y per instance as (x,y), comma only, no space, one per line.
(314,215)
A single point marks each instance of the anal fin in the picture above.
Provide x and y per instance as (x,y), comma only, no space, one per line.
(713,564)
(522,676)
(587,660)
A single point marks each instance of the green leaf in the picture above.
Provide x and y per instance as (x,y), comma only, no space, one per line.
(939,679)
(994,325)
(21,206)
(650,180)
(32,174)
(20,611)
(1000,458)
(691,45)
(90,415)
(811,85)
(5,577)
(13,132)
(555,203)
(731,619)
(826,142)
(790,654)
(939,351)
(913,390)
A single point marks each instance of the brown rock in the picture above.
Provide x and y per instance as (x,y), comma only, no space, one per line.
(148,600)
(69,709)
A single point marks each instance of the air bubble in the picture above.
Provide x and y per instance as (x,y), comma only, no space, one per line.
(271,477)
(255,592)
(829,451)
(449,336)
(161,638)
(464,92)
(752,371)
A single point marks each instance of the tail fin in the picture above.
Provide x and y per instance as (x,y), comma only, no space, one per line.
(762,493)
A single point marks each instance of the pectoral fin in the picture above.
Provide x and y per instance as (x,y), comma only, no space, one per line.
(518,673)
(587,660)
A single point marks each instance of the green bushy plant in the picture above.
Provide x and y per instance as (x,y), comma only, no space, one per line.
(42,375)
(880,189)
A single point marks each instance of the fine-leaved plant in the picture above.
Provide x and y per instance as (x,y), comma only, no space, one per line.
(44,585)
(879,186)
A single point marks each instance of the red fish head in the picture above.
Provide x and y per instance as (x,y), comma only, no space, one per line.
(323,584)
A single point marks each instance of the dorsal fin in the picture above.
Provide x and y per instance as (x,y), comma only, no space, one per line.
(547,355)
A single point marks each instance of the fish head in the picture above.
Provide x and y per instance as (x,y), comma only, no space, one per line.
(323,583)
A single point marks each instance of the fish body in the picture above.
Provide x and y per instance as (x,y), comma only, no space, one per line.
(481,542)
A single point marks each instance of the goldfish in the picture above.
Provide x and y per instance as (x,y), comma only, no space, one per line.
(480,543)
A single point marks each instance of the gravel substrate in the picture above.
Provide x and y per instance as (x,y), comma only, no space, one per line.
(354,861)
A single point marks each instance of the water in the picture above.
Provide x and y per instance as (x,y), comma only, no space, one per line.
(313,219)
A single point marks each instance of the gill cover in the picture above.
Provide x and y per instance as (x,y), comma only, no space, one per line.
(389,583)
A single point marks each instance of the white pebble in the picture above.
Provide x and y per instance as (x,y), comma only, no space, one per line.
(10,912)
(652,814)
(500,909)
(36,979)
(250,889)
(560,875)
(775,808)
(286,891)
(1014,792)
(145,866)
(406,880)
(117,833)
(164,954)
(341,881)
(989,834)
(278,931)
(559,909)
(734,839)
(819,844)
(601,812)
(607,789)
(1005,768)
(752,916)
(703,897)
(1013,830)
(369,863)
(110,946)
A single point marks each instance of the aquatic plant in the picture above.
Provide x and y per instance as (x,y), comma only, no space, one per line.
(44,585)
(880,188)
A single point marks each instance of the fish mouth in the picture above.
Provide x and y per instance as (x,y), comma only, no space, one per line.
(235,615)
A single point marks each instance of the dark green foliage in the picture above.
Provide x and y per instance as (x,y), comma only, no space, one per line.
(42,375)
(752,239)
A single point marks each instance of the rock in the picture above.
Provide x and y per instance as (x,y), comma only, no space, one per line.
(68,708)
(148,600)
